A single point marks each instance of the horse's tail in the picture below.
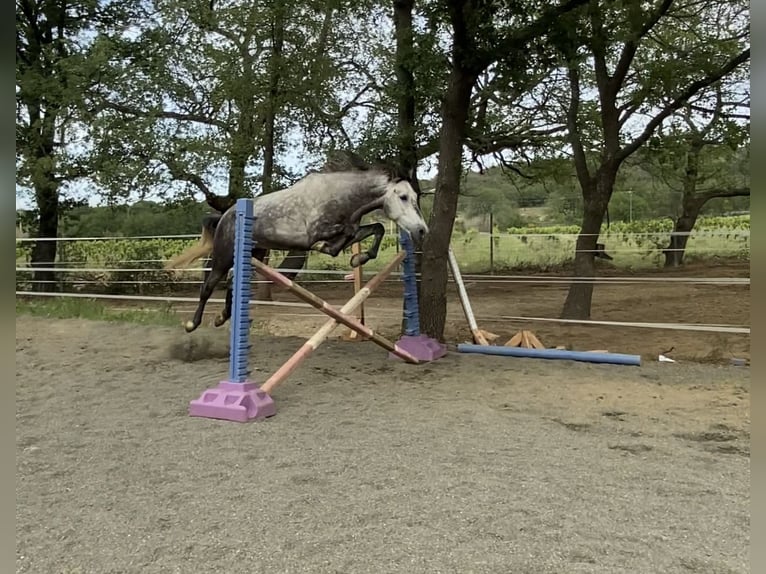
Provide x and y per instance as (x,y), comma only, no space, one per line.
(202,249)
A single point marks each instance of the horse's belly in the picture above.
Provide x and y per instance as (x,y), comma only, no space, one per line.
(280,234)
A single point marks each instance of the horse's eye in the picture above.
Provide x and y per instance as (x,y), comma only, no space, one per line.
(404,198)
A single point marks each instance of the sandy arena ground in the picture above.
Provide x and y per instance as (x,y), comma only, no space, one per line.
(470,464)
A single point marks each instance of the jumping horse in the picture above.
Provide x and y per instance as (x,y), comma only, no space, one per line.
(320,212)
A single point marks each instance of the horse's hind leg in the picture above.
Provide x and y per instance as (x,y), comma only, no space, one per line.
(294,260)
(258,253)
(225,313)
(212,278)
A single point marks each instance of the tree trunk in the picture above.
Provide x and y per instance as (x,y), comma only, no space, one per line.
(405,77)
(690,209)
(596,189)
(46,189)
(272,102)
(263,290)
(674,252)
(596,199)
(433,304)
(242,150)
(243,140)
(407,150)
(44,252)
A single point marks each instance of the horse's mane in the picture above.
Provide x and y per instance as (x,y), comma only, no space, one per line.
(345,160)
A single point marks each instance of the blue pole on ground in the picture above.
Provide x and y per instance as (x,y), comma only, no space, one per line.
(243,272)
(560,354)
(411,308)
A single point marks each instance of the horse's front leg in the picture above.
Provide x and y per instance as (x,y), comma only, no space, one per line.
(373,229)
(340,242)
(334,245)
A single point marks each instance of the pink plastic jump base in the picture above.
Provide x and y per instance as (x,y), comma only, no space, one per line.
(421,347)
(238,402)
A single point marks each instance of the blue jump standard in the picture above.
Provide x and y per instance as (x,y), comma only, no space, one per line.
(238,398)
(418,345)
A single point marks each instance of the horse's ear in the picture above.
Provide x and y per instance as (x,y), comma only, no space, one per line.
(398,173)
(407,175)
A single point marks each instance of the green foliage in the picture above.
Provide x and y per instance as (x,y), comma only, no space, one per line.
(549,188)
(137,265)
(141,218)
(715,223)
(184,108)
(56,66)
(696,156)
(93,309)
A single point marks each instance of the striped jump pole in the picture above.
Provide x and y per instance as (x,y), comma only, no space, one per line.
(324,331)
(478,334)
(413,341)
(238,398)
(342,318)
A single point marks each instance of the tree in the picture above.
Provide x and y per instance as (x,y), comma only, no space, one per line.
(406,91)
(482,34)
(206,95)
(645,59)
(193,95)
(273,105)
(55,65)
(705,156)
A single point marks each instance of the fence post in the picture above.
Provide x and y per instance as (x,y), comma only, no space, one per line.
(491,243)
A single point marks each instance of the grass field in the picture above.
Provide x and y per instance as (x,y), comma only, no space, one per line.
(60,308)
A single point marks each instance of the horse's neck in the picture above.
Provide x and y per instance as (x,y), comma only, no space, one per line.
(367,196)
(362,191)
(366,186)
(356,194)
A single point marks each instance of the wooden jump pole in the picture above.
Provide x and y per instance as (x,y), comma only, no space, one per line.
(326,308)
(464,301)
(324,331)
(351,335)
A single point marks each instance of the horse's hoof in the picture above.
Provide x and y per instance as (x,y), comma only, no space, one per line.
(190,326)
(219,321)
(358,259)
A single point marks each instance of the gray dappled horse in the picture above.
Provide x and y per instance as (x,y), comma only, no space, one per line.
(320,212)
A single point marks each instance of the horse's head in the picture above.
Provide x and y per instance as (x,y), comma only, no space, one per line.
(400,204)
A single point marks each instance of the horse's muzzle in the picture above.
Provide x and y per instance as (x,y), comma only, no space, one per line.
(420,234)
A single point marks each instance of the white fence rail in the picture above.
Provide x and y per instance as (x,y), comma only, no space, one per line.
(152,277)
(737,329)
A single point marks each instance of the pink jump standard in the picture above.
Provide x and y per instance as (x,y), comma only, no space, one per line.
(238,399)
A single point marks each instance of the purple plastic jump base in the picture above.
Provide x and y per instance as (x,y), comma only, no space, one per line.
(239,402)
(422,347)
